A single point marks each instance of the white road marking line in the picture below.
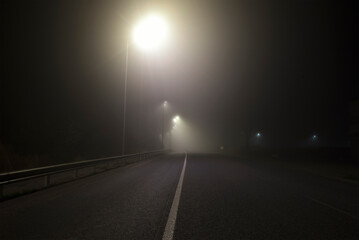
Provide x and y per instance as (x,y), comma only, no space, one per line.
(333,208)
(171,222)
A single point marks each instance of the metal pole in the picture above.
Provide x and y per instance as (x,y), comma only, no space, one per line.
(124,103)
(163,123)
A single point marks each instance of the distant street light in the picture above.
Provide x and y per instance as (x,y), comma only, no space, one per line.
(176,119)
(315,137)
(174,127)
(149,34)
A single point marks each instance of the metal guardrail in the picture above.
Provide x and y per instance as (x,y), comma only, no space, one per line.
(20,182)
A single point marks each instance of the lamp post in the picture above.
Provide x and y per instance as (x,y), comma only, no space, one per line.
(149,34)
(124,103)
(163,122)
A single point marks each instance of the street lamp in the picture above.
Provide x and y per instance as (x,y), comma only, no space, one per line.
(175,119)
(149,35)
(315,137)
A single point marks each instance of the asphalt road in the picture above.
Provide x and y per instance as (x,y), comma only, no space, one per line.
(218,198)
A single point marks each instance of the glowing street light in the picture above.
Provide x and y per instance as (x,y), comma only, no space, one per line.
(149,35)
(176,119)
(258,135)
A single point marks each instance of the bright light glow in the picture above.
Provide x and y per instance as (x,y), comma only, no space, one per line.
(151,33)
(187,137)
(258,134)
(176,119)
(165,103)
(315,137)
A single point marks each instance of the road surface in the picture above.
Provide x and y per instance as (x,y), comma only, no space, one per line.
(211,197)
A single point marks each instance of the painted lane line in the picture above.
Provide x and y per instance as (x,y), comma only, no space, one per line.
(171,222)
(333,208)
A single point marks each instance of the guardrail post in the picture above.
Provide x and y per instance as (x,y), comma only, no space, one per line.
(1,191)
(47,180)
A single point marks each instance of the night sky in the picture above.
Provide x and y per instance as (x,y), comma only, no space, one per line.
(285,68)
